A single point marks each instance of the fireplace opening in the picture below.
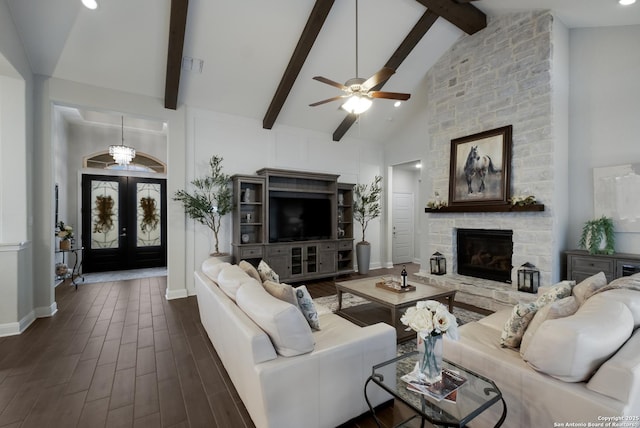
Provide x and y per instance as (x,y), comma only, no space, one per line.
(485,253)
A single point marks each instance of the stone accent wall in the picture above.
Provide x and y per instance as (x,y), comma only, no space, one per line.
(497,77)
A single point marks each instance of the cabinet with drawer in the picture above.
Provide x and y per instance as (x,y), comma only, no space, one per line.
(581,265)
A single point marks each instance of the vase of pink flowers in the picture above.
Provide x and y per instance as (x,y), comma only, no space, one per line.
(430,319)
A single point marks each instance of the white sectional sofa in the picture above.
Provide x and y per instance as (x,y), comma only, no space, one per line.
(576,369)
(320,387)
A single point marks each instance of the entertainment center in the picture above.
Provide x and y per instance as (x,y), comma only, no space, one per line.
(300,223)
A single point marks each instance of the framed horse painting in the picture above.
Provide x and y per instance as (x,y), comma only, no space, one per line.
(480,168)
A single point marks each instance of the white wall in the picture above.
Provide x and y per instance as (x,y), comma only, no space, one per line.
(246,148)
(604,109)
(16,203)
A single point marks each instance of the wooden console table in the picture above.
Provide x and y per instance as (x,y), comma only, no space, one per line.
(581,265)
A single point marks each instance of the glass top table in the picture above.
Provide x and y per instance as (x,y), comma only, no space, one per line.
(474,396)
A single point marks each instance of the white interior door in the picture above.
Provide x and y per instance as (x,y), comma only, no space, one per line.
(402,223)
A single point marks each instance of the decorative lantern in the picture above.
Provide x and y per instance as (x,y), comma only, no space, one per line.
(438,264)
(528,278)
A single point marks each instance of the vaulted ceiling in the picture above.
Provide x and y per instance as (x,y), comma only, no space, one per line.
(256,58)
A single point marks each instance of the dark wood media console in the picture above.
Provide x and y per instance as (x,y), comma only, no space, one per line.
(325,249)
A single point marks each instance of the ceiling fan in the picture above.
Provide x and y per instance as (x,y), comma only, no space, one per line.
(358,91)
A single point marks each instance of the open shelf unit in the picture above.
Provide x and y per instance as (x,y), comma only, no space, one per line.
(294,260)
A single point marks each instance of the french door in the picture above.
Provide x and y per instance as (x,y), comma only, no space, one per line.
(123,223)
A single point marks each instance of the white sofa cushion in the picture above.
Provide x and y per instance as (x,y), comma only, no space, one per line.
(250,270)
(631,298)
(231,278)
(589,286)
(618,377)
(558,309)
(212,267)
(572,348)
(283,322)
(281,291)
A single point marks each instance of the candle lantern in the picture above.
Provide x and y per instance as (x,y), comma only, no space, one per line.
(528,278)
(438,264)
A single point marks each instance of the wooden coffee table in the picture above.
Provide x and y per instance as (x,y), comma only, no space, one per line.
(386,305)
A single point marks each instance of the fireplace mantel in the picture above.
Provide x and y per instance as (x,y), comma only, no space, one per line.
(486,209)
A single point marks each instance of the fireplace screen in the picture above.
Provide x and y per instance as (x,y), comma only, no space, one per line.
(485,253)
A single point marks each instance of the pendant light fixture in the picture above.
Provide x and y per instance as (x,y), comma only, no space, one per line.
(122,155)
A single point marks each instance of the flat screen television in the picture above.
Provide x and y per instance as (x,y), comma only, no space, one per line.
(299,218)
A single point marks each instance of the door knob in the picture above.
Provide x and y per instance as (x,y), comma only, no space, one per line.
(124,232)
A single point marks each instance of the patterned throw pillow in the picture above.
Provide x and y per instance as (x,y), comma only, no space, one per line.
(589,286)
(554,292)
(266,273)
(517,324)
(305,303)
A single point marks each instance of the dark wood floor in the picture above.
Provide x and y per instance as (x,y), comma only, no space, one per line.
(119,354)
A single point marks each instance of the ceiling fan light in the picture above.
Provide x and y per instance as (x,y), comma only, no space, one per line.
(90,4)
(357,104)
(626,2)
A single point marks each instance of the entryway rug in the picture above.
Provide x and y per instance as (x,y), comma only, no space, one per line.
(121,275)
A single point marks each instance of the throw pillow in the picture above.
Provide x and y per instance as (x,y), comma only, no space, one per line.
(250,270)
(551,293)
(558,309)
(266,273)
(305,303)
(284,292)
(517,323)
(589,286)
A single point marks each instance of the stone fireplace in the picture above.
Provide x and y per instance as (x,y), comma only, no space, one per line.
(485,253)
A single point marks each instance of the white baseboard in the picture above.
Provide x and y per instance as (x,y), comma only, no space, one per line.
(176,294)
(46,311)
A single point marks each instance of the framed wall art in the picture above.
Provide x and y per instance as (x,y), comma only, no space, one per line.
(480,168)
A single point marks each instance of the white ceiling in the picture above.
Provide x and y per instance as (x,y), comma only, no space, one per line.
(246,45)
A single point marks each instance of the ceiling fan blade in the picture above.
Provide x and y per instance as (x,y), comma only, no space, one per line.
(389,95)
(328,100)
(330,82)
(381,76)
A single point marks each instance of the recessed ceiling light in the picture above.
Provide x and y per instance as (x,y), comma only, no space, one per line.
(626,2)
(418,165)
(90,4)
(397,104)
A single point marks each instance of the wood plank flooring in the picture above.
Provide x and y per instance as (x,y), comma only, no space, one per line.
(119,354)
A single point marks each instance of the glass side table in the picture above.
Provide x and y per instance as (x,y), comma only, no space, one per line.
(475,396)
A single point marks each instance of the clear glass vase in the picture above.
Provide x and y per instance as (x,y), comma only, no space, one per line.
(430,357)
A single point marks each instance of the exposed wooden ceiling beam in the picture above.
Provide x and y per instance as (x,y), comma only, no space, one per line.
(305,43)
(415,35)
(177,28)
(463,15)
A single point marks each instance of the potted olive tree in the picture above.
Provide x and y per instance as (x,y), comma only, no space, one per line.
(366,207)
(597,236)
(210,200)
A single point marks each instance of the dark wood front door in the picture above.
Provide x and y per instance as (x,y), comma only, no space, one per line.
(123,223)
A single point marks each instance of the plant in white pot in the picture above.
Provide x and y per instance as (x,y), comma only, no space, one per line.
(366,207)
(597,236)
(210,200)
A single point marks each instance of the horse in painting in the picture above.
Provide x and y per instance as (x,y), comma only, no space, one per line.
(477,165)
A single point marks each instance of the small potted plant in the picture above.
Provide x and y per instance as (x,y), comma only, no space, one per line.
(210,200)
(65,233)
(366,207)
(597,236)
